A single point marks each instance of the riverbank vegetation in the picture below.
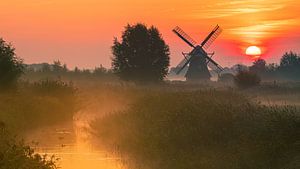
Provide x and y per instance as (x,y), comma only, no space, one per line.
(15,154)
(42,103)
(202,129)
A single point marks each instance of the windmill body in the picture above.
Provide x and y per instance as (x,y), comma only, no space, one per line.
(197,69)
(198,59)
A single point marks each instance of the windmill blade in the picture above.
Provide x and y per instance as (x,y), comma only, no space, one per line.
(185,61)
(214,65)
(185,37)
(211,37)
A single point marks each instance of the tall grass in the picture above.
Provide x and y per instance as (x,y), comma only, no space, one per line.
(38,104)
(205,129)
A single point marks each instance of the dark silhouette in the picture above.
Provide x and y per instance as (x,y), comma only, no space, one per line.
(198,59)
(226,78)
(11,67)
(15,154)
(259,66)
(246,79)
(290,65)
(141,56)
(59,67)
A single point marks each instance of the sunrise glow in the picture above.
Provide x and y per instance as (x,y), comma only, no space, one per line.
(80,33)
(253,51)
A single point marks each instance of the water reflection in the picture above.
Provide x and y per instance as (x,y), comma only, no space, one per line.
(73,145)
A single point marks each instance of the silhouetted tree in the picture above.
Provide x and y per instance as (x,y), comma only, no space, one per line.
(258,67)
(11,67)
(290,60)
(290,65)
(77,70)
(57,66)
(245,79)
(142,55)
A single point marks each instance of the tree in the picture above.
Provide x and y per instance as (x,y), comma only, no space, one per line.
(11,67)
(290,60)
(259,66)
(246,79)
(57,66)
(142,55)
(290,65)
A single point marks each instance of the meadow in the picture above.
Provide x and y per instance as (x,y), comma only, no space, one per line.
(170,125)
(207,127)
(37,104)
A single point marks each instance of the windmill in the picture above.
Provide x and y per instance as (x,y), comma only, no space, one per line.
(198,59)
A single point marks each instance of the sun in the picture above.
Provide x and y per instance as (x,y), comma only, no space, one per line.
(253,51)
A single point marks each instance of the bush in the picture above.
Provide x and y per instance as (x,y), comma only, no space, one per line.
(10,66)
(14,154)
(54,88)
(226,78)
(204,129)
(246,79)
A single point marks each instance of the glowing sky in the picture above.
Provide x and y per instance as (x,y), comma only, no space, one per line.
(80,32)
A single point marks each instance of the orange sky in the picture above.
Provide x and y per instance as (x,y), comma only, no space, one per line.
(80,32)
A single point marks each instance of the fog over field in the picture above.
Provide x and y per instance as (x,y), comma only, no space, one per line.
(149,84)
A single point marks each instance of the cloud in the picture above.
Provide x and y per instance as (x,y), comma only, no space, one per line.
(225,12)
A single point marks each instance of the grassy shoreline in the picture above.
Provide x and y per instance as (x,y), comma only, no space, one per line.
(202,129)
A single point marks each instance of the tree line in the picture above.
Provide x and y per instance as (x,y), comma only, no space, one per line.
(140,56)
(287,69)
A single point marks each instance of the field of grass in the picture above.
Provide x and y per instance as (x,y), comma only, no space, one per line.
(37,104)
(171,125)
(208,128)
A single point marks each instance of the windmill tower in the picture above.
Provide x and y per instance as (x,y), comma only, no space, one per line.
(198,59)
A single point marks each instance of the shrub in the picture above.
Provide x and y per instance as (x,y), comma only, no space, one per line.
(226,78)
(11,67)
(14,154)
(54,87)
(246,79)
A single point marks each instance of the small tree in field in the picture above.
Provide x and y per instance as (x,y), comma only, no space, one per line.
(246,79)
(10,66)
(141,56)
(259,66)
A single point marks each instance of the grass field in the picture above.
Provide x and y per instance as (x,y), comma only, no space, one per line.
(37,104)
(208,128)
(171,125)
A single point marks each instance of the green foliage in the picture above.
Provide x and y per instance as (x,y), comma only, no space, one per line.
(141,56)
(15,155)
(202,129)
(10,66)
(246,79)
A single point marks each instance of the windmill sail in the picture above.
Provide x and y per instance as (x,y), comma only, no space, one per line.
(211,37)
(184,62)
(185,37)
(214,65)
(198,58)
